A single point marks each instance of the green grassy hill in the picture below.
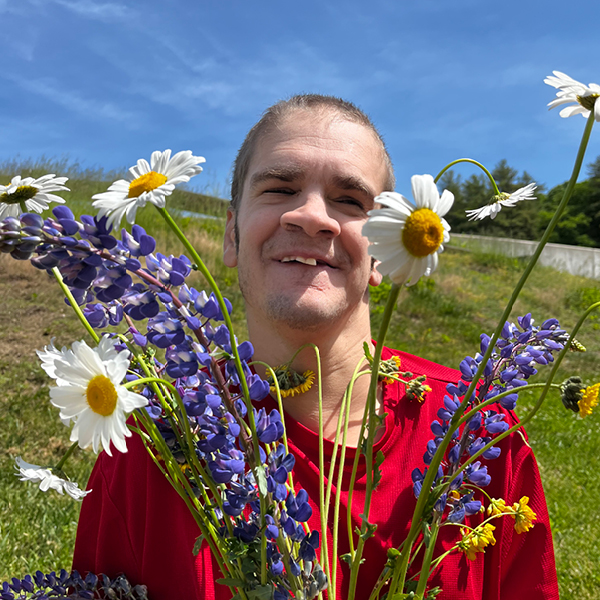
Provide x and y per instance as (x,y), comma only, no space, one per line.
(440,319)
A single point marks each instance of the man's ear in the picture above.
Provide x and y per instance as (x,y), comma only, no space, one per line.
(376,277)
(229,246)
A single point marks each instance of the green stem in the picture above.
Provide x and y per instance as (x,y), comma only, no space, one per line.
(371,406)
(400,573)
(473,162)
(74,305)
(467,416)
(424,577)
(322,509)
(345,415)
(64,459)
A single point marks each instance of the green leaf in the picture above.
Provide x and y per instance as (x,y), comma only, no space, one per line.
(198,545)
(262,592)
(379,458)
(347,558)
(370,528)
(426,534)
(262,481)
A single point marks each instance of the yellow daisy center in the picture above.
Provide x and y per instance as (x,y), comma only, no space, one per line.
(423,232)
(146,183)
(22,193)
(588,101)
(101,395)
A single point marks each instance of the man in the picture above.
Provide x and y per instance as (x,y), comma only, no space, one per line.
(304,181)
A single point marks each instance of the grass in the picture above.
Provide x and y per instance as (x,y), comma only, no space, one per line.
(440,318)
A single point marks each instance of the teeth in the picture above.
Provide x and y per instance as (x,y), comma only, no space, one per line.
(306,261)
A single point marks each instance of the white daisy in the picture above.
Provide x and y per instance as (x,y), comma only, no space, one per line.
(89,393)
(407,237)
(147,183)
(30,195)
(47,479)
(504,199)
(571,91)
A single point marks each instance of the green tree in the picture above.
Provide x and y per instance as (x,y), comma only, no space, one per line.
(580,223)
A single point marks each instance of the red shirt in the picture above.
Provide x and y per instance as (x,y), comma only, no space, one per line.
(134,522)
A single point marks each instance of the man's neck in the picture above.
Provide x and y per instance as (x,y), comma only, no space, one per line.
(340,351)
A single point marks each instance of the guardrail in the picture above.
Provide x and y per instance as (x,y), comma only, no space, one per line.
(577,260)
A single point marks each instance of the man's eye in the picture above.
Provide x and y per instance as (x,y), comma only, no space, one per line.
(352,202)
(284,191)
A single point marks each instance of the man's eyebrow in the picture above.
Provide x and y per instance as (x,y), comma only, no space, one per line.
(350,182)
(282,173)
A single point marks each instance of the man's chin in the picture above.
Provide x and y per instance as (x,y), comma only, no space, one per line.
(299,315)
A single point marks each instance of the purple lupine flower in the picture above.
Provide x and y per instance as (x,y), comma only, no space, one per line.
(164,331)
(169,270)
(298,507)
(181,361)
(268,427)
(468,368)
(137,243)
(79,271)
(494,423)
(97,233)
(111,282)
(309,545)
(477,474)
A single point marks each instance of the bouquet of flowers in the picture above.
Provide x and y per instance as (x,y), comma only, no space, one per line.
(169,368)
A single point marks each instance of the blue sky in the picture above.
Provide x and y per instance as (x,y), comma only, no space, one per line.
(108,82)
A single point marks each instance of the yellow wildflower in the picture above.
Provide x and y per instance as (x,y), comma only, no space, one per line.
(291,382)
(417,388)
(589,400)
(475,540)
(390,366)
(497,507)
(524,516)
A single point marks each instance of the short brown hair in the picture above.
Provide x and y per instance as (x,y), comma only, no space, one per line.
(275,114)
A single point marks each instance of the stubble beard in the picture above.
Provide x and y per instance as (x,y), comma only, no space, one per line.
(290,312)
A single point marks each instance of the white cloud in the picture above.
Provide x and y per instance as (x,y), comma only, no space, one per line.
(105,11)
(96,10)
(73,101)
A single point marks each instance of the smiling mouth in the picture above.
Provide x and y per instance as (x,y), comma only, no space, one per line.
(313,262)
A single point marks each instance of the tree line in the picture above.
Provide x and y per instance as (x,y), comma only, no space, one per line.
(578,226)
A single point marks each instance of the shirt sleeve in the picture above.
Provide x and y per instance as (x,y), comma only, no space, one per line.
(133,522)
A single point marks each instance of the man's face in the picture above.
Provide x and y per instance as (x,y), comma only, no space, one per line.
(302,259)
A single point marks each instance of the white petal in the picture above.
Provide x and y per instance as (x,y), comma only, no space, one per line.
(425,192)
(445,203)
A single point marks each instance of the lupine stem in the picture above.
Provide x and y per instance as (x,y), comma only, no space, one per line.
(74,305)
(542,397)
(424,577)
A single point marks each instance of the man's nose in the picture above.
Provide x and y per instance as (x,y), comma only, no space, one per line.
(311,213)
